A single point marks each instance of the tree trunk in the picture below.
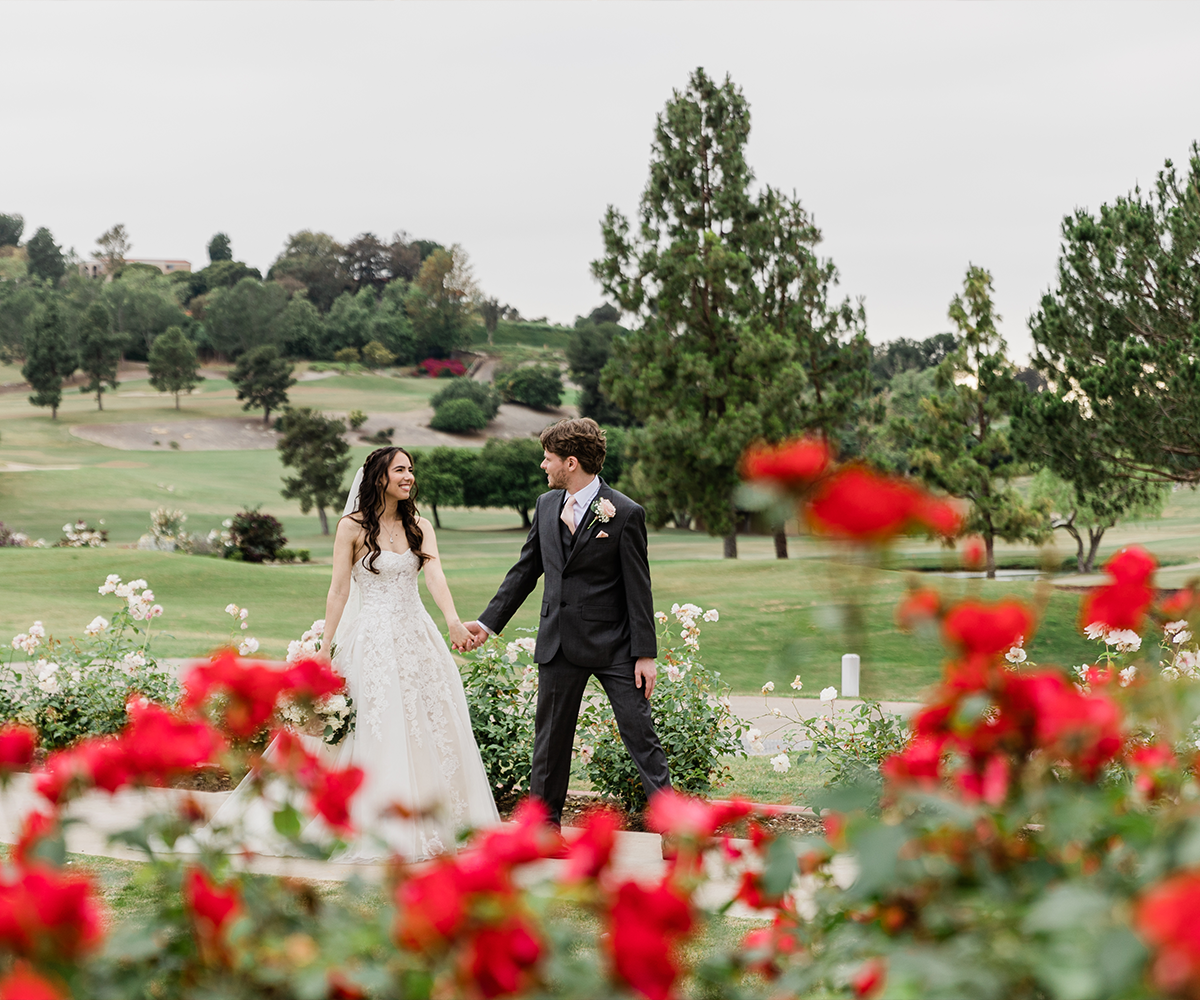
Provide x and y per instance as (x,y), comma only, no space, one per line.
(1094,536)
(989,540)
(437,521)
(324,520)
(524,516)
(100,398)
(177,401)
(683,520)
(54,413)
(781,551)
(266,414)
(731,545)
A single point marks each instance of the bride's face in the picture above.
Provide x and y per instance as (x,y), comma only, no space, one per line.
(400,479)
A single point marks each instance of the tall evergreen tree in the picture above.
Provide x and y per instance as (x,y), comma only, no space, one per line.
(48,358)
(174,365)
(219,248)
(99,351)
(312,444)
(737,339)
(961,436)
(262,378)
(45,257)
(11,228)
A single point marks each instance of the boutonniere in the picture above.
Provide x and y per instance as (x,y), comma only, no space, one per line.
(604,511)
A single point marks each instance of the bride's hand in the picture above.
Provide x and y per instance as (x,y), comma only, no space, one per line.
(460,637)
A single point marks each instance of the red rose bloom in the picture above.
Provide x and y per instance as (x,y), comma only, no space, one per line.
(1122,604)
(17,744)
(500,958)
(590,853)
(988,629)
(645,926)
(861,505)
(314,679)
(213,906)
(1168,918)
(251,688)
(331,794)
(792,465)
(868,981)
(44,913)
(25,984)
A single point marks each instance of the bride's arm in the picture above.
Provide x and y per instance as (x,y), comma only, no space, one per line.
(344,544)
(439,589)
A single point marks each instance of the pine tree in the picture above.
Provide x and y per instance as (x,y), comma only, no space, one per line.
(45,257)
(961,435)
(174,366)
(48,358)
(313,445)
(262,378)
(99,352)
(736,337)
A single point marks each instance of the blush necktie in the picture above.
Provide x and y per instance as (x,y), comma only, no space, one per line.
(568,514)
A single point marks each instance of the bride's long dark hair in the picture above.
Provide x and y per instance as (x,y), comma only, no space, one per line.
(372,500)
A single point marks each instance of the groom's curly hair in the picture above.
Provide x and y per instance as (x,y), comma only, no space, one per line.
(578,436)
(371,500)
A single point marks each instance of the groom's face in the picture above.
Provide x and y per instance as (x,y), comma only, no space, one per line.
(558,469)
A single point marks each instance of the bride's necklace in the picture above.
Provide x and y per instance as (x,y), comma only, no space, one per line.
(390,531)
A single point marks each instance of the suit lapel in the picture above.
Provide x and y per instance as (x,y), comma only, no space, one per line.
(549,531)
(584,534)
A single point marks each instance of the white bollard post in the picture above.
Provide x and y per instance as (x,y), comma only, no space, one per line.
(850,666)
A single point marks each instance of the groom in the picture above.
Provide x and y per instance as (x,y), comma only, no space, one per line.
(589,541)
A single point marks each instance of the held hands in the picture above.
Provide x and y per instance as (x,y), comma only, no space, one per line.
(644,673)
(468,637)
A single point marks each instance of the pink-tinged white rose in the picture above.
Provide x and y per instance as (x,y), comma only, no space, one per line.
(96,626)
(660,617)
(782,763)
(712,615)
(1127,675)
(110,584)
(673,672)
(231,609)
(248,646)
(1172,627)
(604,510)
(797,684)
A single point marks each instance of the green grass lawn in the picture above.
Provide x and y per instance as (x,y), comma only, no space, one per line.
(778,618)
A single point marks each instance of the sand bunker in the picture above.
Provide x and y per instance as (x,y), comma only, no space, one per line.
(247,433)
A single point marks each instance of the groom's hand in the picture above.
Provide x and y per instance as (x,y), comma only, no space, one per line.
(644,673)
(479,635)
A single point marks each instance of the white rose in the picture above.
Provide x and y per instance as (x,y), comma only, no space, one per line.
(1015,655)
(782,763)
(661,617)
(243,613)
(96,626)
(1172,627)
(293,653)
(797,684)
(829,694)
(38,630)
(1127,675)
(586,752)
(768,687)
(673,672)
(248,645)
(1097,630)
(1183,636)
(231,609)
(134,659)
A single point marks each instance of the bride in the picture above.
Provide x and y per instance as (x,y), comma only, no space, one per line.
(412,735)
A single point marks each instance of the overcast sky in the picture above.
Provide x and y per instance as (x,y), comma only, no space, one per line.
(922,137)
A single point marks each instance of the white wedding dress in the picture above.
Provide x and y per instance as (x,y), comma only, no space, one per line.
(412,734)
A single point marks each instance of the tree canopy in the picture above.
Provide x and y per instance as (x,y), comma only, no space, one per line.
(219,248)
(45,257)
(99,352)
(1118,340)
(174,366)
(313,445)
(735,336)
(49,358)
(262,378)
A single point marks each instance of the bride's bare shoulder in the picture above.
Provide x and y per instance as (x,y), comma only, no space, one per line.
(350,526)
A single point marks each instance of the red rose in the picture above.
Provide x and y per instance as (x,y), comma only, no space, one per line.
(692,819)
(919,761)
(1123,603)
(922,604)
(252,690)
(25,984)
(1167,917)
(430,906)
(314,679)
(159,745)
(35,828)
(590,853)
(1150,765)
(331,794)
(17,744)
(974,553)
(527,838)
(645,926)
(988,629)
(48,914)
(793,464)
(1181,604)
(213,906)
(499,958)
(869,979)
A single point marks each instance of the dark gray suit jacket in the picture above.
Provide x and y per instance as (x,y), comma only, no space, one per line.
(597,604)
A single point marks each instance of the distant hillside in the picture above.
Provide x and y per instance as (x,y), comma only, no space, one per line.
(526,335)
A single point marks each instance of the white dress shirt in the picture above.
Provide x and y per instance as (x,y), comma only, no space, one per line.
(583,499)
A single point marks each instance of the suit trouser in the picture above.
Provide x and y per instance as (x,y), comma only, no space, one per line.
(560,693)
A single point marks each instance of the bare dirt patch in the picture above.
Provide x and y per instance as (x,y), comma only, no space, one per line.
(412,428)
(209,434)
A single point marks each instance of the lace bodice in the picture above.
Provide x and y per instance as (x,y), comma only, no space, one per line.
(393,590)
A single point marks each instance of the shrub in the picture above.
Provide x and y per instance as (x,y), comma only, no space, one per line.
(480,393)
(346,357)
(10,538)
(691,715)
(304,555)
(538,386)
(285,556)
(166,532)
(375,355)
(382,437)
(458,416)
(257,536)
(356,419)
(501,688)
(81,535)
(439,368)
(67,691)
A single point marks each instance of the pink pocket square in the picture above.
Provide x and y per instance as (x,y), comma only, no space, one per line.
(602,534)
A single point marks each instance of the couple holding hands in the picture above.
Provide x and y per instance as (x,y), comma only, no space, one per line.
(413,732)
